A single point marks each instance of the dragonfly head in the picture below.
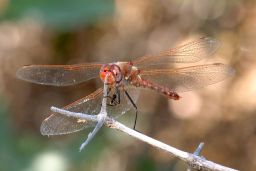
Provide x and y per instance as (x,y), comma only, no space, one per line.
(114,73)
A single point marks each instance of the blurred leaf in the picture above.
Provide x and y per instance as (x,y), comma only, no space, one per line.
(16,151)
(60,14)
(145,163)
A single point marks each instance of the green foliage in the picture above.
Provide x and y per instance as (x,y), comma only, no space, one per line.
(18,152)
(60,14)
(14,152)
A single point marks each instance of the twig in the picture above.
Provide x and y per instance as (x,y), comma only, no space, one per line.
(199,149)
(196,153)
(194,161)
(100,117)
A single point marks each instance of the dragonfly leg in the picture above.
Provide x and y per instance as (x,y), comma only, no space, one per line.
(113,101)
(134,105)
(118,95)
(115,98)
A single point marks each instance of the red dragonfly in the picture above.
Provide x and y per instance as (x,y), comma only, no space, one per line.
(125,79)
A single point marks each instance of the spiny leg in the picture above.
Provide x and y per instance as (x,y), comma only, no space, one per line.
(116,95)
(134,105)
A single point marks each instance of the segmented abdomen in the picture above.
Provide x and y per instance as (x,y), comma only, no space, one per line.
(161,89)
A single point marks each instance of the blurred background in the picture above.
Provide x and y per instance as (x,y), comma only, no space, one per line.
(68,32)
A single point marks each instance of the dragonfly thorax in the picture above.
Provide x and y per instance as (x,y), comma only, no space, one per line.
(119,73)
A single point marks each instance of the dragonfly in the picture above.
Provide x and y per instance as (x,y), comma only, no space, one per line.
(126,79)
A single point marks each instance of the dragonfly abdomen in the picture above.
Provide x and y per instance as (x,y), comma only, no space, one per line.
(161,89)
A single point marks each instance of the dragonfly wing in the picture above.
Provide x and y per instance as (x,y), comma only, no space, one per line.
(189,78)
(58,75)
(191,52)
(57,124)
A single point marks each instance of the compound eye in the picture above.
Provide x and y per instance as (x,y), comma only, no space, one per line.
(106,69)
(103,71)
(117,73)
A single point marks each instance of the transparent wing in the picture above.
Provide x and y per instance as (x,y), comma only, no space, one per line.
(188,78)
(58,75)
(57,124)
(191,52)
